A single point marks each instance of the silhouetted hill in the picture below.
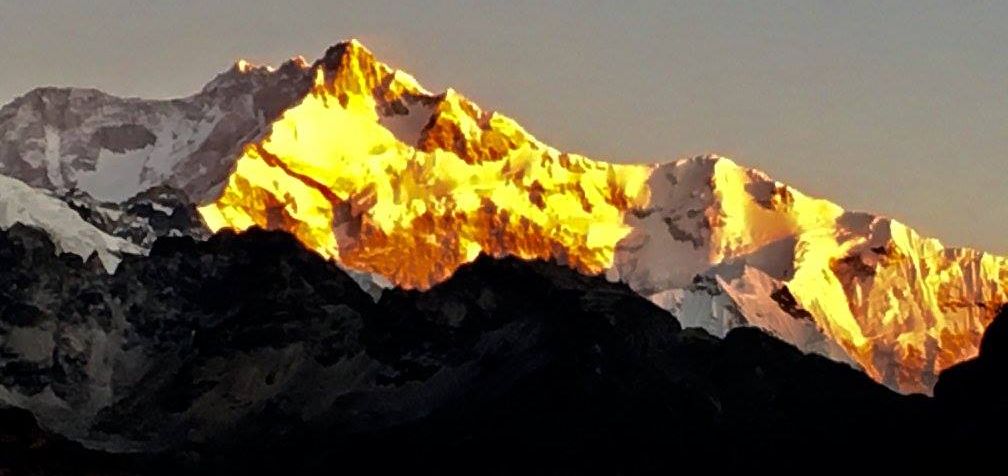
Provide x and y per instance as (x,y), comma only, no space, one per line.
(248,353)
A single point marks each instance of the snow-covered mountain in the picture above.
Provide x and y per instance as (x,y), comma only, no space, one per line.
(364,165)
(722,245)
(114,148)
(129,166)
(21,204)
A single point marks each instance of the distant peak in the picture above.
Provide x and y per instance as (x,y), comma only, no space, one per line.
(711,158)
(344,51)
(349,66)
(243,66)
(298,61)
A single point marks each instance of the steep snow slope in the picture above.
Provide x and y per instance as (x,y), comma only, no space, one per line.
(725,246)
(20,203)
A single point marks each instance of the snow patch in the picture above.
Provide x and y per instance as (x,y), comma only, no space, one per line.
(116,177)
(408,128)
(52,156)
(161,208)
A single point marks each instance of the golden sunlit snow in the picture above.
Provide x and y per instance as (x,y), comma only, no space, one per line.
(375,172)
(333,175)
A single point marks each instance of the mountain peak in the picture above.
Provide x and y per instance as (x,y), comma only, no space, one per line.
(348,69)
(339,53)
(384,155)
(297,61)
(243,66)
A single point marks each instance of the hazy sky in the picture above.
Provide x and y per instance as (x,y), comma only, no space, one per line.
(893,107)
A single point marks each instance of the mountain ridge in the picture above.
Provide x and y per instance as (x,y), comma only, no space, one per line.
(270,359)
(849,272)
(363,164)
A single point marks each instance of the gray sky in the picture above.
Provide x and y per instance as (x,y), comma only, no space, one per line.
(897,107)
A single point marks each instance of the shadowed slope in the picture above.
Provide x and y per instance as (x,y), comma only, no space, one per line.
(249,353)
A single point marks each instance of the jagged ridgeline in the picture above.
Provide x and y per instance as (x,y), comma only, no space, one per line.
(250,354)
(365,166)
(374,170)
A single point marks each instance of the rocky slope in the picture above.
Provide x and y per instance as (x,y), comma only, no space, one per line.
(251,354)
(112,148)
(143,218)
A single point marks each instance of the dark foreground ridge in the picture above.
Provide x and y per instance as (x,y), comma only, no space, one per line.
(249,354)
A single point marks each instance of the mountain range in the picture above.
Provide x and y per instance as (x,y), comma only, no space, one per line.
(250,354)
(402,185)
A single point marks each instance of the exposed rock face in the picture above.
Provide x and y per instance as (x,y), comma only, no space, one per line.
(156,212)
(70,359)
(113,148)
